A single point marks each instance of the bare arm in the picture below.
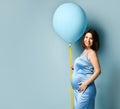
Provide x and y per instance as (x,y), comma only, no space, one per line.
(92,57)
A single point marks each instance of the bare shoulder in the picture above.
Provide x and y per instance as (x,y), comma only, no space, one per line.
(92,54)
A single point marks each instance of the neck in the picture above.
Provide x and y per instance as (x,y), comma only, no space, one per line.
(87,49)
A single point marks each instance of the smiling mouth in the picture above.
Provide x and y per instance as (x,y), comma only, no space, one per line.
(87,43)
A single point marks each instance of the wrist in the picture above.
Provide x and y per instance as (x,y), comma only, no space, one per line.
(87,83)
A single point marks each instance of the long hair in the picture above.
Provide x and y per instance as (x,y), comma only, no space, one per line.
(95,36)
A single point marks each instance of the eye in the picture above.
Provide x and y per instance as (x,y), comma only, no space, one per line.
(86,36)
(91,38)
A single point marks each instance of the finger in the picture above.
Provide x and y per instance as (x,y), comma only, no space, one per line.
(80,83)
(80,89)
(84,90)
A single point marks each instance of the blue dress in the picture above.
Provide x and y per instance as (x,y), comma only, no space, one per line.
(83,69)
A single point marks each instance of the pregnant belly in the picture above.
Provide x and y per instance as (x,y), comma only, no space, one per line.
(76,79)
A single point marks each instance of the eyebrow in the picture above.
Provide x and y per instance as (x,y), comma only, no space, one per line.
(87,36)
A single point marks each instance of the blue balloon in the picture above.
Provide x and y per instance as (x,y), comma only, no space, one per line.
(69,22)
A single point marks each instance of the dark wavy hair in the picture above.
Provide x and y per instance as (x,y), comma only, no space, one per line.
(95,36)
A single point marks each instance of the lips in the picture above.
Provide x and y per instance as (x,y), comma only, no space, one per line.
(86,43)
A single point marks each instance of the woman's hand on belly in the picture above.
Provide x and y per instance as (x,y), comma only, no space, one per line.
(82,86)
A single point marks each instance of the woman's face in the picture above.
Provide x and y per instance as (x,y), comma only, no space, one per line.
(88,40)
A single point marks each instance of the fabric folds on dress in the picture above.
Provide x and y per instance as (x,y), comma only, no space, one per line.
(83,69)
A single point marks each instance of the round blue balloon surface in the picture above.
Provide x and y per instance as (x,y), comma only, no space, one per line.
(69,22)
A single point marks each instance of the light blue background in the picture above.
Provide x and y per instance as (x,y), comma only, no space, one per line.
(34,61)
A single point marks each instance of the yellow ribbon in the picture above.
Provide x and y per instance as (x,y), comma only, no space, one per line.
(71,90)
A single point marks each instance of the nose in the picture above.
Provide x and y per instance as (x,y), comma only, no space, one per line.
(88,40)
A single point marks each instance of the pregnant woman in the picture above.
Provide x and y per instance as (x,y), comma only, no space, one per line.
(86,69)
